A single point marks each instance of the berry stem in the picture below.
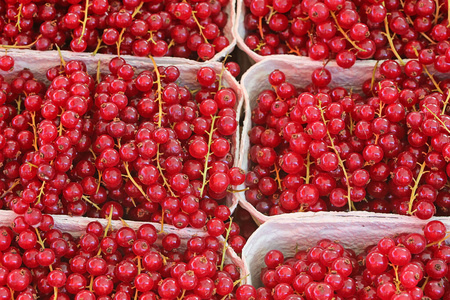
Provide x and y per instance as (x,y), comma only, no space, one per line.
(391,42)
(98,72)
(439,242)
(210,140)
(425,282)
(19,15)
(225,243)
(277,174)
(182,294)
(308,164)
(415,187)
(221,72)
(41,192)
(438,119)
(444,108)
(436,85)
(63,62)
(33,125)
(160,103)
(15,183)
(341,163)
(396,279)
(21,47)
(137,185)
(411,22)
(119,41)
(60,128)
(293,50)
(448,13)
(436,15)
(372,82)
(86,9)
(86,198)
(237,191)
(342,31)
(260,27)
(200,27)
(41,243)
(99,45)
(19,103)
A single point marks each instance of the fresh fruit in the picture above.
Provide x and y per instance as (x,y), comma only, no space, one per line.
(408,266)
(319,148)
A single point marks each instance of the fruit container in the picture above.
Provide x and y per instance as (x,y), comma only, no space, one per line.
(226,31)
(76,226)
(240,33)
(356,231)
(298,72)
(39,62)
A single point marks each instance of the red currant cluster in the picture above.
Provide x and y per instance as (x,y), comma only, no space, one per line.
(408,267)
(322,148)
(346,30)
(139,147)
(179,28)
(108,264)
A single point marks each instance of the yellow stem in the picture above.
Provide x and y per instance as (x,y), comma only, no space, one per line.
(438,7)
(277,178)
(439,242)
(63,62)
(200,27)
(206,168)
(261,29)
(342,31)
(161,113)
(341,163)
(308,164)
(86,9)
(99,45)
(446,102)
(119,41)
(15,183)
(415,187)
(391,42)
(137,185)
(33,125)
(372,82)
(438,119)
(61,128)
(41,243)
(225,243)
(86,198)
(436,85)
(41,192)
(396,280)
(98,71)
(19,15)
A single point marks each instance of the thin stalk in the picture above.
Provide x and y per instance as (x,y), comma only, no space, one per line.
(341,162)
(83,29)
(208,154)
(415,187)
(15,183)
(342,31)
(391,42)
(225,246)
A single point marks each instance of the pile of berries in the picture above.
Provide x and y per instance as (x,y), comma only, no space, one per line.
(322,148)
(139,146)
(188,29)
(110,264)
(410,266)
(347,30)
